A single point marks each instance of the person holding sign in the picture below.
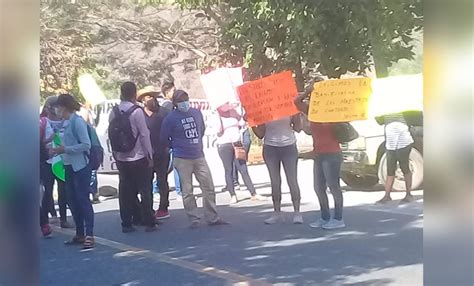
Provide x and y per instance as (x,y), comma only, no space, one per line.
(228,139)
(280,149)
(327,166)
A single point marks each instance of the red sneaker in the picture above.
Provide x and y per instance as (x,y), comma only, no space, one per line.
(162,214)
(46,230)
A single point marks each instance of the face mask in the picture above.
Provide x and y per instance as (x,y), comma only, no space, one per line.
(183,106)
(152,105)
(59,112)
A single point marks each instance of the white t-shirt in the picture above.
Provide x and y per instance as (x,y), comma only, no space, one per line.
(279,133)
(397,132)
(231,130)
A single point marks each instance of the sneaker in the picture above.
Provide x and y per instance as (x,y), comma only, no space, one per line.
(258,198)
(384,200)
(334,224)
(407,199)
(54,220)
(128,229)
(218,222)
(275,218)
(46,230)
(194,224)
(298,219)
(319,223)
(65,224)
(151,228)
(233,200)
(89,242)
(237,188)
(162,214)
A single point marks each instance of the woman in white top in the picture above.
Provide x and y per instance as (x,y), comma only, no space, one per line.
(280,149)
(398,142)
(229,136)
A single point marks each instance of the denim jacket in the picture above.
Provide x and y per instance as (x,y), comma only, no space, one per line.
(76,148)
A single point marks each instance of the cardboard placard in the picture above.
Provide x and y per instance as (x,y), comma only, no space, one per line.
(220,84)
(269,98)
(90,90)
(340,100)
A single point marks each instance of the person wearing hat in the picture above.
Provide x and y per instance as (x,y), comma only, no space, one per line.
(78,172)
(154,116)
(54,125)
(183,129)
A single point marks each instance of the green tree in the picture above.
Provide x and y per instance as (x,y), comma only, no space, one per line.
(329,37)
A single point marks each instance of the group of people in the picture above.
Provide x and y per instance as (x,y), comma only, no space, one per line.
(144,133)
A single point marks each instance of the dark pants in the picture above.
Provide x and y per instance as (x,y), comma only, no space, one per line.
(77,190)
(402,156)
(161,164)
(227,154)
(327,169)
(135,178)
(48,202)
(246,142)
(288,157)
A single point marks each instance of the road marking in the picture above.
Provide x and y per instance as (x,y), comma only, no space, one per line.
(235,278)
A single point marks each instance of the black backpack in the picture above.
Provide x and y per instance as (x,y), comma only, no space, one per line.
(345,132)
(120,130)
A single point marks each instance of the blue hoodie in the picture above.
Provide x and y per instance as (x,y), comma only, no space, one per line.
(183,131)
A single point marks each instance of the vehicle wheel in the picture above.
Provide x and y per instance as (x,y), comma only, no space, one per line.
(416,167)
(359,182)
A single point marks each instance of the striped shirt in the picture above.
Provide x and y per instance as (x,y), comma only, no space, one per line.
(397,132)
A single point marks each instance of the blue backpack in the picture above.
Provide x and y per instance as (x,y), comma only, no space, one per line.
(96,153)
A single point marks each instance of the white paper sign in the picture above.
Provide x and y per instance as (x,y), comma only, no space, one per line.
(220,85)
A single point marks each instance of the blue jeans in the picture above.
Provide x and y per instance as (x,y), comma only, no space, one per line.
(247,142)
(327,169)
(177,182)
(288,157)
(93,183)
(227,155)
(77,193)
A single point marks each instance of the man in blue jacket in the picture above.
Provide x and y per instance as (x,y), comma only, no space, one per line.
(183,130)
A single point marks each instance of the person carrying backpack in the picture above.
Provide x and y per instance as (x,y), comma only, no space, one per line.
(79,159)
(131,147)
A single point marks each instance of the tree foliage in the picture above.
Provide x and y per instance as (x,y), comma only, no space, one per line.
(329,37)
(121,40)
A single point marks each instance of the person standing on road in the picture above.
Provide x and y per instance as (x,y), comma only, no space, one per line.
(168,90)
(183,129)
(154,115)
(57,126)
(131,146)
(228,138)
(77,144)
(398,142)
(279,148)
(327,166)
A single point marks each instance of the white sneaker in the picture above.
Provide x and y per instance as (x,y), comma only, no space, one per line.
(334,224)
(233,200)
(258,198)
(319,223)
(275,218)
(298,219)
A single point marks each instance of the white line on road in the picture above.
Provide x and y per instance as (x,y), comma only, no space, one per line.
(235,278)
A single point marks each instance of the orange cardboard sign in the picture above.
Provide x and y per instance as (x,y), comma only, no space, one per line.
(269,98)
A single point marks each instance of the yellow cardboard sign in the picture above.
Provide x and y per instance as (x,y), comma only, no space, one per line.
(340,100)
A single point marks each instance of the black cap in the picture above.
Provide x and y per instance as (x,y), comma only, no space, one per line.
(179,94)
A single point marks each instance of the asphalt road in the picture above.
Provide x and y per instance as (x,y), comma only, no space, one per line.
(382,245)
